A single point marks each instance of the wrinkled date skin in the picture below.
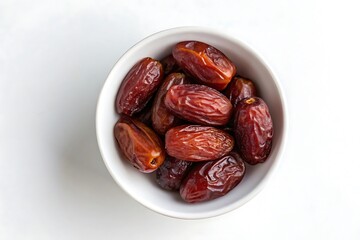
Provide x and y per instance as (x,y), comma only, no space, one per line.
(162,118)
(204,62)
(138,86)
(240,88)
(197,143)
(199,104)
(253,130)
(170,65)
(170,174)
(139,144)
(210,180)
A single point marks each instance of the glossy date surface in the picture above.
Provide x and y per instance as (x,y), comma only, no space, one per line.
(253,130)
(213,179)
(197,143)
(162,118)
(170,174)
(138,86)
(199,104)
(205,63)
(139,144)
(170,65)
(239,88)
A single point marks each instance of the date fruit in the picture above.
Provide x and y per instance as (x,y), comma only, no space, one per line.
(170,174)
(204,62)
(199,104)
(145,114)
(169,65)
(253,130)
(240,88)
(139,144)
(197,143)
(162,118)
(138,86)
(213,179)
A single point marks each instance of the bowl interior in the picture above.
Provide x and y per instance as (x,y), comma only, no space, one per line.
(142,187)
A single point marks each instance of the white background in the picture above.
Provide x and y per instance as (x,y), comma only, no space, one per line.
(54,58)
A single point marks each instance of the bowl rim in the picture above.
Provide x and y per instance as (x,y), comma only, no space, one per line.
(257,189)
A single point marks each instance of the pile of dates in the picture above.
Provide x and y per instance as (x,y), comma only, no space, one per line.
(191,119)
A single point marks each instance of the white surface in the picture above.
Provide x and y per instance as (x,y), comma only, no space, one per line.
(54,58)
(141,186)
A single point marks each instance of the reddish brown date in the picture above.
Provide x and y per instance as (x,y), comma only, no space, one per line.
(240,88)
(170,174)
(199,104)
(138,86)
(162,118)
(253,130)
(210,180)
(204,62)
(139,144)
(197,143)
(170,65)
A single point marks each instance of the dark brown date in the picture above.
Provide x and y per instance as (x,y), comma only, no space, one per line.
(213,179)
(205,63)
(197,143)
(145,114)
(162,118)
(253,130)
(139,144)
(239,88)
(169,65)
(199,104)
(138,86)
(170,174)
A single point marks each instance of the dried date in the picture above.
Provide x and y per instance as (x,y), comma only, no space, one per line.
(138,86)
(139,144)
(145,114)
(199,104)
(240,88)
(205,63)
(213,179)
(253,130)
(162,118)
(170,174)
(169,65)
(197,143)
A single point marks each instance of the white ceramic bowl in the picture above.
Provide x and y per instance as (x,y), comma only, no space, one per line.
(142,187)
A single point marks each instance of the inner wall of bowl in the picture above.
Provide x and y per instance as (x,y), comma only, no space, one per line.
(142,187)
